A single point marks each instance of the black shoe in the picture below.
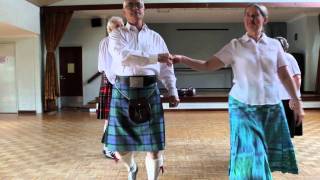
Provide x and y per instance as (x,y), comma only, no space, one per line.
(109,154)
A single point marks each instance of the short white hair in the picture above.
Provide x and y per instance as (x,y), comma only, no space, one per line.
(111,22)
(284,43)
(125,1)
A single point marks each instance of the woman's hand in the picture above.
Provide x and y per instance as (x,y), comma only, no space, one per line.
(296,106)
(177,59)
(165,58)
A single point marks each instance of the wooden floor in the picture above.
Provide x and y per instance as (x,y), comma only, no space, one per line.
(67,146)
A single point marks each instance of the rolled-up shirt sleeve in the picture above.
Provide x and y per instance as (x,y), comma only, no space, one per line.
(167,76)
(105,60)
(118,48)
(101,55)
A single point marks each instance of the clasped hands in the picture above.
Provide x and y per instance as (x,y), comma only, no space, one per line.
(169,59)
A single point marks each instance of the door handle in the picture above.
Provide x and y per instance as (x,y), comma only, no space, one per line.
(62,78)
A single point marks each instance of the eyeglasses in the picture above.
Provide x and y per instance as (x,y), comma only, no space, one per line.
(132,5)
(253,16)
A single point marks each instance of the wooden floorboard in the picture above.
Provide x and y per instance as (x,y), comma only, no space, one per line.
(66,145)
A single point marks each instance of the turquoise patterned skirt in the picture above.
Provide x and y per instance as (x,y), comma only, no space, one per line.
(260,141)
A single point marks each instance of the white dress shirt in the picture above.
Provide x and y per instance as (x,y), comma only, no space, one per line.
(136,52)
(105,60)
(293,69)
(255,66)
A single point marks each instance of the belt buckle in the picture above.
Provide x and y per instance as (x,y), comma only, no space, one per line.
(136,82)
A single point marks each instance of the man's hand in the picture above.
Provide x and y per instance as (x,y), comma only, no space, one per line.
(165,58)
(173,101)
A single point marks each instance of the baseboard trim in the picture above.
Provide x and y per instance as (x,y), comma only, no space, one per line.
(27,112)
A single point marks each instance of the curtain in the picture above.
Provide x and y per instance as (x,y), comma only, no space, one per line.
(55,24)
(318,71)
(318,76)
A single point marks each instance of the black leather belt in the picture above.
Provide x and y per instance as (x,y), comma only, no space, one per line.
(137,81)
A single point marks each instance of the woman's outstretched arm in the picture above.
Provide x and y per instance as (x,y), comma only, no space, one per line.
(212,64)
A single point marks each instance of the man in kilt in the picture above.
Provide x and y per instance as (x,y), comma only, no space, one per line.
(107,79)
(136,119)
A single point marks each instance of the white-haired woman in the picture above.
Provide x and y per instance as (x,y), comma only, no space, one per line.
(295,73)
(104,65)
(259,136)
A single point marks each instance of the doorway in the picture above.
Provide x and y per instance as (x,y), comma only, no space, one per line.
(71,88)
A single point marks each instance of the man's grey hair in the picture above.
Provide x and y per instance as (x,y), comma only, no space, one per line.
(111,22)
(125,1)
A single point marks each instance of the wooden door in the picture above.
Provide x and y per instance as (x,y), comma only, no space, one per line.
(70,71)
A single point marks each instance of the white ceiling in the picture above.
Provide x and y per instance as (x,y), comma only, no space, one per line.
(43,2)
(9,31)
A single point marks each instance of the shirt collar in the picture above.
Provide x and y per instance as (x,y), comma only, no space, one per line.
(247,38)
(133,28)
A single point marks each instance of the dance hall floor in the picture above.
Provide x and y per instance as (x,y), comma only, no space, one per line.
(67,146)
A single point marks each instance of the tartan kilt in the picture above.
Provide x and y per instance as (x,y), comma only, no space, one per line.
(104,98)
(260,141)
(122,133)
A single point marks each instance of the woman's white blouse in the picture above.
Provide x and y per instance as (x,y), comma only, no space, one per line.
(255,69)
(293,69)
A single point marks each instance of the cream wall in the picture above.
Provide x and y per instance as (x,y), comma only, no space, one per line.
(308,43)
(80,33)
(28,72)
(21,14)
(24,17)
(28,75)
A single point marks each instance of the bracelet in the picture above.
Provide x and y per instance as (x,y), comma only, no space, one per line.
(299,99)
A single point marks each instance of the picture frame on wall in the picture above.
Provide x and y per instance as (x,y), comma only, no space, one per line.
(2,59)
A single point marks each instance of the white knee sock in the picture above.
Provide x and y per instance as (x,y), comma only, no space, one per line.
(153,167)
(104,130)
(105,125)
(128,161)
(161,158)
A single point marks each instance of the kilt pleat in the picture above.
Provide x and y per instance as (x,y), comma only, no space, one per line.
(104,98)
(260,141)
(122,133)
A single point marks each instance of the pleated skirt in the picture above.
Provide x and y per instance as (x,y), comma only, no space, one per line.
(260,141)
